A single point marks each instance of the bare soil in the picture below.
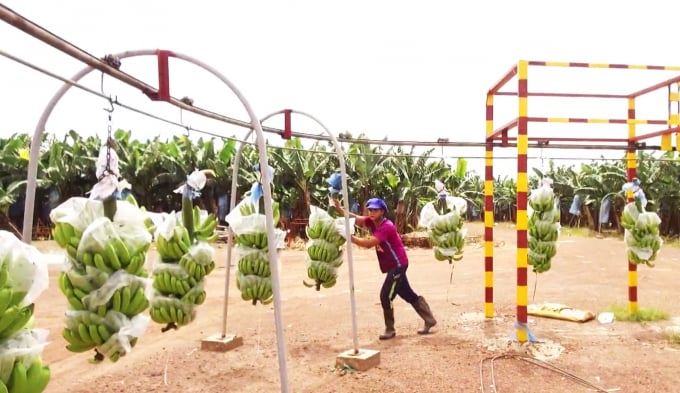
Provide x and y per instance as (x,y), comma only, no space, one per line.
(466,353)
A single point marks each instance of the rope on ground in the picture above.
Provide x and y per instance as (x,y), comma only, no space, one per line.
(535,362)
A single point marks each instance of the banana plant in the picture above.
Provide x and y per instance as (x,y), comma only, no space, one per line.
(299,169)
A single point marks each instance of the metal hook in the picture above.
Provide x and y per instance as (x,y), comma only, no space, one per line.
(110,110)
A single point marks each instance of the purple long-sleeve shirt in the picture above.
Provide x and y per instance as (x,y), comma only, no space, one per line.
(391,252)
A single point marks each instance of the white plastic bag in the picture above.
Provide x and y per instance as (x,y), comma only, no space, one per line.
(429,212)
(27,270)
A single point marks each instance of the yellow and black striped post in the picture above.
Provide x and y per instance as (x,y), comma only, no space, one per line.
(522,192)
(488,211)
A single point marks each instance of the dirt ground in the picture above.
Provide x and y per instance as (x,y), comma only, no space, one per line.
(467,353)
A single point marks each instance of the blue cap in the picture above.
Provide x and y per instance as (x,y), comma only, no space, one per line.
(376,203)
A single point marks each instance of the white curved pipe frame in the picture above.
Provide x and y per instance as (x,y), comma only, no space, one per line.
(262,150)
(345,197)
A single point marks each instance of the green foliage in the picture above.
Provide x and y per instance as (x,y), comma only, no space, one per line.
(402,176)
(621,313)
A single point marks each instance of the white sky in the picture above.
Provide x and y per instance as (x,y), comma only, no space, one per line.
(395,69)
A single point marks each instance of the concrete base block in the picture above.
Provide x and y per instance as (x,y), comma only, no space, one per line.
(217,343)
(363,360)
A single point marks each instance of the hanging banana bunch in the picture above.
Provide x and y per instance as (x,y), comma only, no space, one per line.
(247,221)
(22,279)
(186,258)
(104,277)
(444,219)
(543,228)
(324,249)
(641,232)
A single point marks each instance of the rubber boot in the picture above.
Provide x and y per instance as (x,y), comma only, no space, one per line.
(423,309)
(389,325)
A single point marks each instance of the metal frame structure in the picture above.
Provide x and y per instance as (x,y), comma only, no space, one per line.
(631,143)
(163,94)
(345,196)
(160,94)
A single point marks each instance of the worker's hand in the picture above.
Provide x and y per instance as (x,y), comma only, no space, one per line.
(336,204)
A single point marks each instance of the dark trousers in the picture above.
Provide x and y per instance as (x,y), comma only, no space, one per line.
(396,283)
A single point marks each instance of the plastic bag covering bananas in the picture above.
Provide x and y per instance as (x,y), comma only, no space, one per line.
(641,234)
(324,248)
(23,277)
(179,286)
(179,280)
(21,366)
(444,219)
(104,277)
(543,228)
(247,220)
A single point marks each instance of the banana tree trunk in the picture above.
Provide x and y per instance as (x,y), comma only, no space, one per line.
(400,218)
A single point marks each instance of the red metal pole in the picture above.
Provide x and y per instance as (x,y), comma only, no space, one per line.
(287,131)
(505,79)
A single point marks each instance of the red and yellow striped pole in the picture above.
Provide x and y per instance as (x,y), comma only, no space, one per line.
(632,173)
(673,117)
(522,191)
(488,212)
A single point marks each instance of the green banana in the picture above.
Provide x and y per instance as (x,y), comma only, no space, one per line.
(37,376)
(15,319)
(18,382)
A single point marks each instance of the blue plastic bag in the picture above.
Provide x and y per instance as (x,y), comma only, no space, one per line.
(335,183)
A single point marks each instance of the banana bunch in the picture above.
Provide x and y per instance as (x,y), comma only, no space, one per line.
(204,230)
(254,271)
(196,267)
(641,234)
(114,256)
(22,279)
(323,258)
(543,229)
(75,286)
(179,286)
(86,330)
(173,311)
(95,298)
(448,236)
(257,240)
(129,299)
(103,280)
(248,208)
(13,315)
(254,288)
(253,277)
(171,283)
(325,229)
(25,379)
(324,274)
(324,251)
(255,262)
(67,237)
(172,248)
(14,319)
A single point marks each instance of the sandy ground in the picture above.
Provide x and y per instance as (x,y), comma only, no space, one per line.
(467,352)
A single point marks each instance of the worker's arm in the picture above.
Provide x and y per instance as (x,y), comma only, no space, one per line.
(359,220)
(366,242)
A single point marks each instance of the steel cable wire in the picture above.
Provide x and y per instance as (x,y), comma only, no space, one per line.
(535,362)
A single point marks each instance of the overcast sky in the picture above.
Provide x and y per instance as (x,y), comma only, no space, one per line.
(396,69)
